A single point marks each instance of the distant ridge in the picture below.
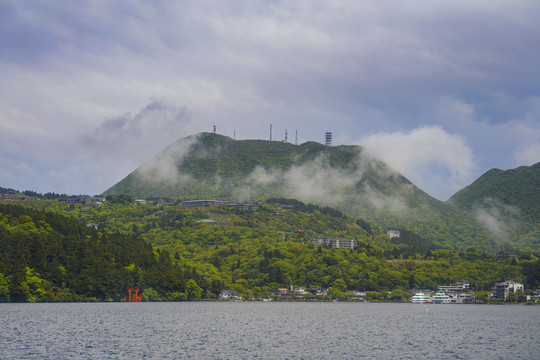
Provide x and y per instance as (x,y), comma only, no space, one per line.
(506,202)
(517,187)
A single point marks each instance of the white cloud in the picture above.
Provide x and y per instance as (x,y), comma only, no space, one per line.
(312,182)
(499,219)
(316,182)
(164,167)
(438,162)
(385,204)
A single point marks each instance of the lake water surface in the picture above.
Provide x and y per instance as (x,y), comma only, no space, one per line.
(250,330)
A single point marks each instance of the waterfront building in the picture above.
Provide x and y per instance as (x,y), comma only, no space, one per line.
(502,289)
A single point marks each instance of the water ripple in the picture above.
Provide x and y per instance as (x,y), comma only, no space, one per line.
(211,330)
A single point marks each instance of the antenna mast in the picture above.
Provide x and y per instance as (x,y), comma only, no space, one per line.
(328,138)
(270,132)
(285,135)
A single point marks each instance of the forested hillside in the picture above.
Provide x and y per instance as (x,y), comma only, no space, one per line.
(45,256)
(506,203)
(220,247)
(516,187)
(212,166)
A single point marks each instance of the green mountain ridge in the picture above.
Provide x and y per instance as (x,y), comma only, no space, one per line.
(505,201)
(515,187)
(212,166)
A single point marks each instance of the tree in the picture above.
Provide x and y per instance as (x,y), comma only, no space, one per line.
(4,289)
(36,284)
(399,295)
(521,296)
(340,285)
(512,297)
(531,270)
(193,291)
(18,288)
(335,293)
(482,296)
(150,294)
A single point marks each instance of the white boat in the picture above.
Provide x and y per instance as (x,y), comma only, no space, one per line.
(420,298)
(441,298)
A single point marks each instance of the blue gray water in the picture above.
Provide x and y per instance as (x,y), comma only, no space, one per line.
(247,330)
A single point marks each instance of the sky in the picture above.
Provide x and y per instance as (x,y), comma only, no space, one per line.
(441,90)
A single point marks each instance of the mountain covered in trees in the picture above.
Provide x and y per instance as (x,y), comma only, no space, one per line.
(519,187)
(45,256)
(88,250)
(506,202)
(212,166)
(74,248)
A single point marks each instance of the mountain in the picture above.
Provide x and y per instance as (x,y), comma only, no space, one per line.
(505,202)
(518,187)
(215,166)
(212,166)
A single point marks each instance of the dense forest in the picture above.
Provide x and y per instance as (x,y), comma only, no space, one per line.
(57,251)
(45,256)
(515,187)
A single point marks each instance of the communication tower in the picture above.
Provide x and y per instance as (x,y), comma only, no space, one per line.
(214,129)
(296,137)
(285,135)
(270,132)
(328,138)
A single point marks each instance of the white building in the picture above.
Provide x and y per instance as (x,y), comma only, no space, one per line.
(229,295)
(460,286)
(501,290)
(336,242)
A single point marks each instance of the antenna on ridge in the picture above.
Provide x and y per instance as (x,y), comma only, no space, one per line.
(328,138)
(270,132)
(296,138)
(234,135)
(285,135)
(214,129)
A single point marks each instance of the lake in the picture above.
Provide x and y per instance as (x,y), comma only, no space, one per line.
(268,330)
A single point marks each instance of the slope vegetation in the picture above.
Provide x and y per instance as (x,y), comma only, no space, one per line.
(220,247)
(212,166)
(45,256)
(506,203)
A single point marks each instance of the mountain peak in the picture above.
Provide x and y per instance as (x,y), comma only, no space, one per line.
(213,166)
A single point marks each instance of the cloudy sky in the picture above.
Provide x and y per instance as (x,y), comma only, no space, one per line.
(441,90)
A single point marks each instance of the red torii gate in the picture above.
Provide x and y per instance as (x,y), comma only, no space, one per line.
(135,297)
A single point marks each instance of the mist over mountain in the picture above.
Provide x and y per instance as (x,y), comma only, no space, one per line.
(212,166)
(506,203)
(215,166)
